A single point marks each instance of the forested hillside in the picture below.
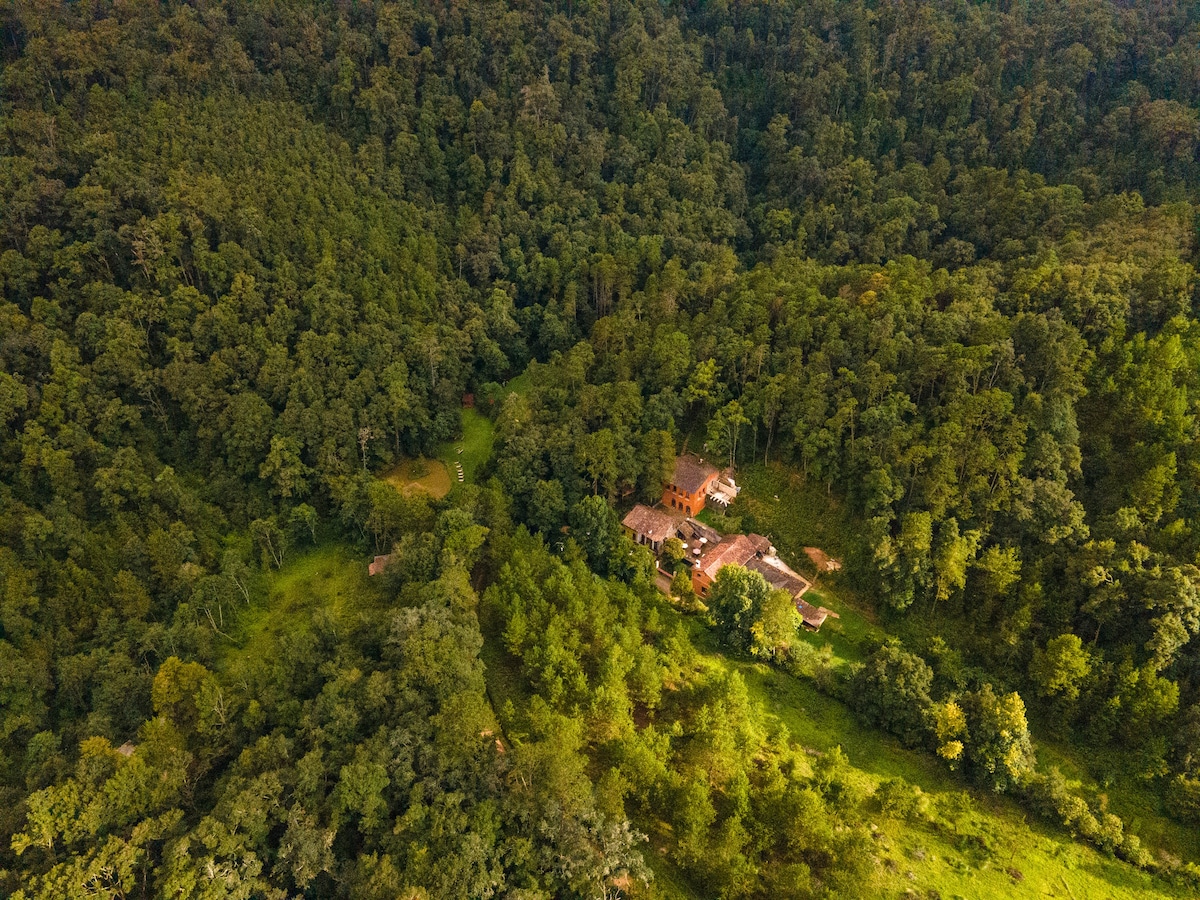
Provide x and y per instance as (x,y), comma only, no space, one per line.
(937,260)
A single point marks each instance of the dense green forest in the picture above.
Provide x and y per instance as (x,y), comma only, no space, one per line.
(935,261)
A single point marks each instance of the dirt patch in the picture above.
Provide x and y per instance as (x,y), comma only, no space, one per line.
(427,475)
(822,560)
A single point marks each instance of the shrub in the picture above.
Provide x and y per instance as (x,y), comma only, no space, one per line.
(1183,799)
(891,690)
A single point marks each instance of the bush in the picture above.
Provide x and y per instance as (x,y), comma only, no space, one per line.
(999,750)
(1132,851)
(800,660)
(1183,799)
(891,690)
(901,800)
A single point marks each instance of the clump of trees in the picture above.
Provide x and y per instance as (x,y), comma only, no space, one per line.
(986,735)
(749,614)
(696,761)
(357,758)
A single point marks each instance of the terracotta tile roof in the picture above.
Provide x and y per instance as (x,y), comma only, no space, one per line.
(761,544)
(378,564)
(779,575)
(814,616)
(691,473)
(653,523)
(735,551)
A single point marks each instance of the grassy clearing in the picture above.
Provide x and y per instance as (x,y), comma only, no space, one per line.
(669,883)
(522,384)
(427,475)
(794,514)
(331,579)
(848,636)
(478,434)
(987,848)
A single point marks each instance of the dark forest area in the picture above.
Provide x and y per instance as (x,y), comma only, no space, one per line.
(936,261)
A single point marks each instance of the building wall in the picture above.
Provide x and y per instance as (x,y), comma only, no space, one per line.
(655,546)
(690,504)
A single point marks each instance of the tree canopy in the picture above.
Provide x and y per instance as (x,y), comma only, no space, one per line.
(937,259)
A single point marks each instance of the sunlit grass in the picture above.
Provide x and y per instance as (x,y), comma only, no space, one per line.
(947,854)
(428,475)
(804,515)
(474,449)
(331,580)
(522,384)
(475,445)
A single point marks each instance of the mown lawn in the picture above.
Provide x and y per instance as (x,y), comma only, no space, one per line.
(428,475)
(478,434)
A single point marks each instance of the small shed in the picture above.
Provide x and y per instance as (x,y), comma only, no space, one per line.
(813,617)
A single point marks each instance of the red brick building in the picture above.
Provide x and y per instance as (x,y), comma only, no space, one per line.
(689,485)
(734,550)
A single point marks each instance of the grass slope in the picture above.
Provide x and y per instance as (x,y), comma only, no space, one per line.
(972,859)
(992,848)
(805,515)
(986,848)
(979,846)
